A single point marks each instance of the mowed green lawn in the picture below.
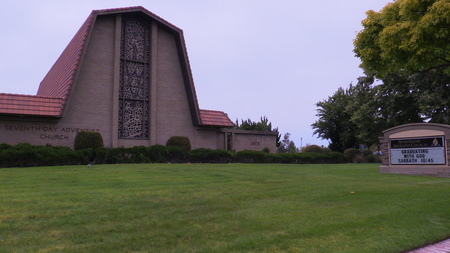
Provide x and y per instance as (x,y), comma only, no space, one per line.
(220,208)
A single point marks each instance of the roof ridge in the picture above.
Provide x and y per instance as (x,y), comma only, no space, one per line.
(28,95)
(119,8)
(136,8)
(212,110)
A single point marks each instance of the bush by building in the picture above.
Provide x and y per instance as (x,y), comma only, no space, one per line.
(26,155)
(354,155)
(315,149)
(85,140)
(177,154)
(351,153)
(251,156)
(206,155)
(179,141)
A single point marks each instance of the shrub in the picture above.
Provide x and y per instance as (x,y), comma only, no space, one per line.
(179,141)
(120,155)
(21,155)
(85,156)
(369,157)
(140,154)
(200,155)
(315,149)
(102,155)
(306,158)
(178,154)
(251,156)
(354,155)
(281,158)
(373,158)
(26,155)
(4,146)
(54,155)
(335,157)
(266,150)
(326,150)
(158,154)
(206,155)
(312,148)
(351,153)
(84,140)
(311,157)
(366,153)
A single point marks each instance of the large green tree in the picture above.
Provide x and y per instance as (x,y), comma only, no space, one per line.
(408,36)
(286,145)
(375,108)
(358,115)
(334,122)
(432,94)
(406,46)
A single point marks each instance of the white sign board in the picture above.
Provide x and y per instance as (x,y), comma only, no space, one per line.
(420,151)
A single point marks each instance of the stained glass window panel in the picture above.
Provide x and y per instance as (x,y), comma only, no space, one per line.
(134,80)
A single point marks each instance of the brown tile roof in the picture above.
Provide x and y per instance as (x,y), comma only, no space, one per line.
(30,105)
(58,81)
(56,85)
(215,118)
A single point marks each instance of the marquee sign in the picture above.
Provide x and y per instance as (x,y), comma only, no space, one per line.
(420,151)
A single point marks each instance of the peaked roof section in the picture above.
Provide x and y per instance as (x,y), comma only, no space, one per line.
(55,88)
(215,118)
(61,77)
(30,105)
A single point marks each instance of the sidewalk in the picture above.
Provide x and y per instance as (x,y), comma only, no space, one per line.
(440,247)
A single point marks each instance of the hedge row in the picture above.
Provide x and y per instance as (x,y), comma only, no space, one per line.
(26,155)
(354,155)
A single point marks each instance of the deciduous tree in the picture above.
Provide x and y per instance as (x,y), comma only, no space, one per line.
(408,36)
(263,125)
(375,108)
(286,145)
(334,122)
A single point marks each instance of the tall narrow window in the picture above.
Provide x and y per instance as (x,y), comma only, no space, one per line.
(134,80)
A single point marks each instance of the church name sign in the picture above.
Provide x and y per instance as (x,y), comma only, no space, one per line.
(48,132)
(418,151)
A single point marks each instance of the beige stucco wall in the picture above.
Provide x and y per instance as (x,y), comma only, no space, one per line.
(253,140)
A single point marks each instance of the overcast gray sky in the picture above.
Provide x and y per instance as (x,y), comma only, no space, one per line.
(249,58)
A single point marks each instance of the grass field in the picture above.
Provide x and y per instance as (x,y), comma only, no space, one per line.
(220,208)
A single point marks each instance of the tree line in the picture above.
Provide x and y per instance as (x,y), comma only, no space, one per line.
(405,55)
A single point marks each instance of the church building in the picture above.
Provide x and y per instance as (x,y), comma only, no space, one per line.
(126,75)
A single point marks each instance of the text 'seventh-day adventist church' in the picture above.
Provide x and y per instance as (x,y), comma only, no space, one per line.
(125,74)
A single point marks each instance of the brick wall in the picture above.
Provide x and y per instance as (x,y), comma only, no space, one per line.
(93,100)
